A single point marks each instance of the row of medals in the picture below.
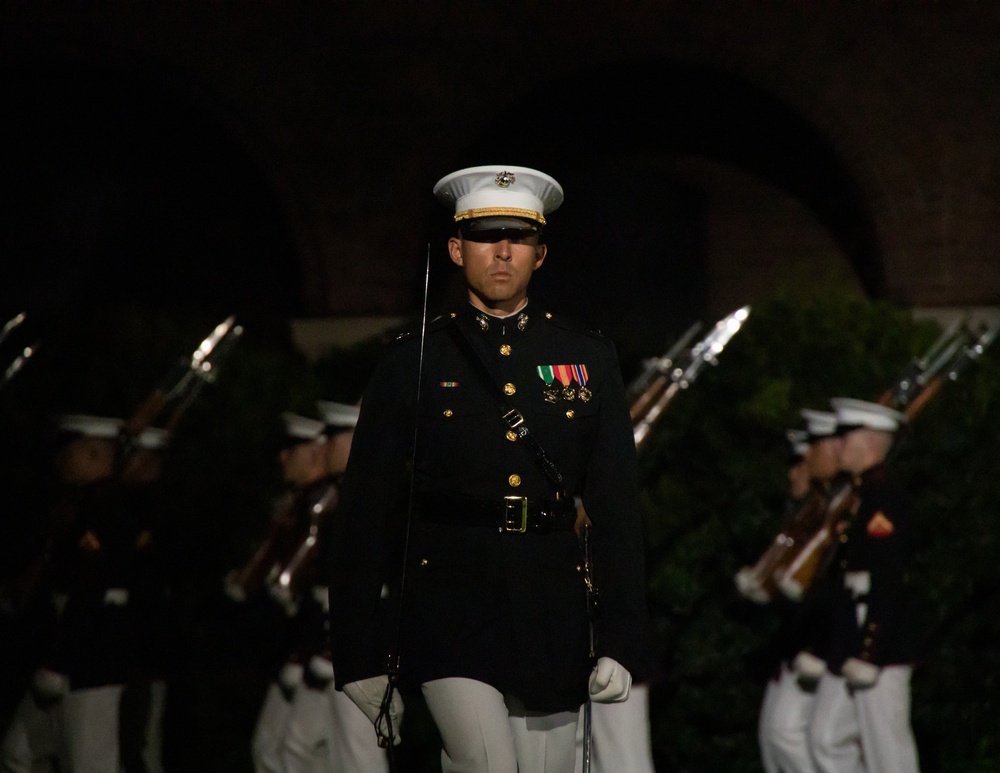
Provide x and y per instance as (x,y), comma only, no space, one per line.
(567,394)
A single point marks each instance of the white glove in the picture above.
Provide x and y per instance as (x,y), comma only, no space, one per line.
(609,681)
(49,685)
(367,695)
(809,667)
(860,674)
(321,668)
(232,589)
(749,586)
(290,675)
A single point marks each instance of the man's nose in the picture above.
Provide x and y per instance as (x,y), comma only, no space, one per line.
(502,248)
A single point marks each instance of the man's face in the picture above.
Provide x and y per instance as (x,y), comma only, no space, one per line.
(822,458)
(798,480)
(86,460)
(338,451)
(498,272)
(850,451)
(299,461)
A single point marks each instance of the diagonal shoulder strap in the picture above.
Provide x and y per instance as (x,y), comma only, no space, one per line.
(511,416)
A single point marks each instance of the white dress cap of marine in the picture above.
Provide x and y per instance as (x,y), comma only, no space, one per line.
(853,413)
(798,439)
(819,424)
(91,426)
(338,414)
(499,191)
(153,438)
(302,427)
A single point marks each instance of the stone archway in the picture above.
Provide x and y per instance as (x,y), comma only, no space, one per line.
(663,163)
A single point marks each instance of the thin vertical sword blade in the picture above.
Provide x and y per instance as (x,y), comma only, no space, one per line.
(385,713)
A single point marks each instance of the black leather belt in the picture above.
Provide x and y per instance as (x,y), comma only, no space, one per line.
(513,514)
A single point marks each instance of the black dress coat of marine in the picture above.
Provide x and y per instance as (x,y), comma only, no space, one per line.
(505,608)
(878,541)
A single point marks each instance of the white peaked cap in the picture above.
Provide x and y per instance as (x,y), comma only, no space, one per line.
(499,191)
(91,426)
(819,424)
(861,413)
(153,438)
(798,439)
(338,414)
(302,427)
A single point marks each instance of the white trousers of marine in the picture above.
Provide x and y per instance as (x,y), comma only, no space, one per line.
(269,732)
(90,722)
(326,732)
(482,732)
(866,730)
(620,735)
(783,727)
(33,737)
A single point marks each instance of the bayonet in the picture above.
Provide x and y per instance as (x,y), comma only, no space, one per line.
(184,380)
(681,376)
(18,363)
(12,323)
(922,369)
(658,368)
(200,365)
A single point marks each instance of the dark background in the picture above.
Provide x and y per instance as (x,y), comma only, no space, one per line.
(164,167)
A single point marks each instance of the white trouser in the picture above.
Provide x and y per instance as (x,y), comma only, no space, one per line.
(30,743)
(483,733)
(327,733)
(783,729)
(91,726)
(269,733)
(620,735)
(864,731)
(152,733)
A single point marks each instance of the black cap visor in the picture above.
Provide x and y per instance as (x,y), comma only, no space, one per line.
(495,229)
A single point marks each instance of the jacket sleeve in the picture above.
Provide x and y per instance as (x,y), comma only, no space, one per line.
(364,528)
(611,498)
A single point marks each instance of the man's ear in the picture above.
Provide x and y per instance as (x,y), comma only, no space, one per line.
(540,252)
(455,250)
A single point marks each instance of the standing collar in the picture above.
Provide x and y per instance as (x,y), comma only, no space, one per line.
(490,324)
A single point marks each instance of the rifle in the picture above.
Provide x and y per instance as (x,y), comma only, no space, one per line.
(179,388)
(290,576)
(759,582)
(22,356)
(950,356)
(677,370)
(655,375)
(264,566)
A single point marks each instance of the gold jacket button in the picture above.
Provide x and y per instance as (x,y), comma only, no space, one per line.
(505,350)
(509,389)
(448,413)
(511,435)
(570,413)
(514,480)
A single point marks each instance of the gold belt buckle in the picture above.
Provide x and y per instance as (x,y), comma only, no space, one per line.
(513,520)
